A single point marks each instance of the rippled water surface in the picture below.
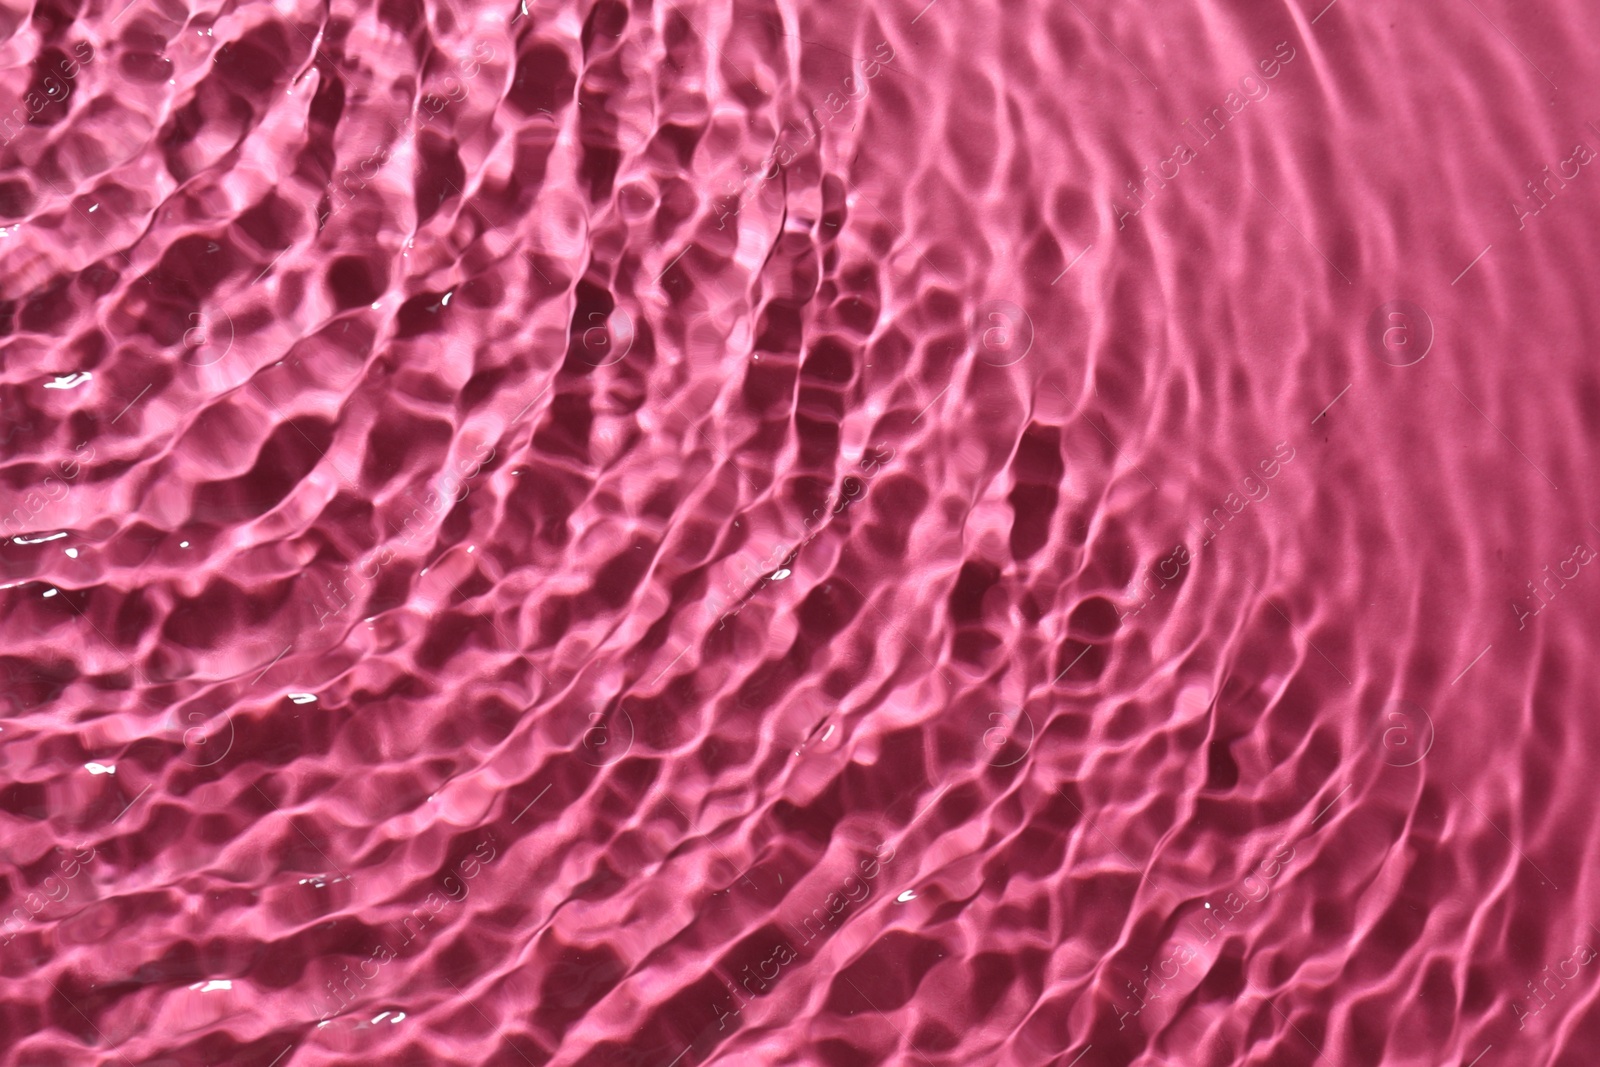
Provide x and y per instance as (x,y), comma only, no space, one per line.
(1044,534)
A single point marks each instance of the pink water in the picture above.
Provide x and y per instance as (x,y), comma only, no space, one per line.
(1037,534)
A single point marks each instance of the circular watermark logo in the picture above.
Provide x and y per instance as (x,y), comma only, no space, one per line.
(1405,733)
(207,340)
(606,738)
(1400,333)
(1002,333)
(606,338)
(207,739)
(1008,739)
